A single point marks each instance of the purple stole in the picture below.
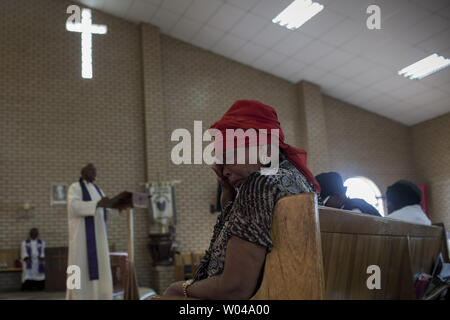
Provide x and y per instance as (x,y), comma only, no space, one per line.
(39,248)
(90,234)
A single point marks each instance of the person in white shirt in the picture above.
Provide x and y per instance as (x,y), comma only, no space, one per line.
(32,255)
(403,202)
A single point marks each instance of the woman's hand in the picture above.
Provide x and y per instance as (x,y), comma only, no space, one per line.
(228,192)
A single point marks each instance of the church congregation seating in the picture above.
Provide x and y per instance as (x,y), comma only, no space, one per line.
(324,253)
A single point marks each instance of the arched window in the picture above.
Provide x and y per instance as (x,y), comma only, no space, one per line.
(364,188)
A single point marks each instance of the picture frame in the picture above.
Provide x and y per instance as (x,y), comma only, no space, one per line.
(58,194)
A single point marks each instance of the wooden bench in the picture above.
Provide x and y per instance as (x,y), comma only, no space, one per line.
(324,253)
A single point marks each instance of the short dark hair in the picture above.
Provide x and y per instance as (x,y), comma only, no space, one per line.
(403,193)
(331,183)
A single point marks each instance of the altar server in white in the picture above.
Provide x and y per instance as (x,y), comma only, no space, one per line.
(88,242)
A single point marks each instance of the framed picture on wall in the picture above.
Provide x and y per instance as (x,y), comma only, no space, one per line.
(59,194)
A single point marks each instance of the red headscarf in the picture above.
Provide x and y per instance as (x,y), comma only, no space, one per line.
(250,114)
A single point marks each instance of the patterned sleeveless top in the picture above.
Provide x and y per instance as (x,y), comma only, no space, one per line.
(249,216)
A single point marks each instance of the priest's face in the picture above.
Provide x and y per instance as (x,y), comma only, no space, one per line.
(89,173)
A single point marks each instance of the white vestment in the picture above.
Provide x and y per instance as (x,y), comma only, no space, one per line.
(33,273)
(413,214)
(77,210)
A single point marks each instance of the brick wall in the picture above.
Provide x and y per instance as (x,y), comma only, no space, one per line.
(361,143)
(314,122)
(10,281)
(162,277)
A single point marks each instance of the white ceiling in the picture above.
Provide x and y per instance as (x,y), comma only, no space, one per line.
(334,49)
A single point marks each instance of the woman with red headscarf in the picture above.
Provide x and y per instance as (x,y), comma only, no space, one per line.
(232,266)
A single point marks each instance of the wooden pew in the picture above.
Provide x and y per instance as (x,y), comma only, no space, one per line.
(323,253)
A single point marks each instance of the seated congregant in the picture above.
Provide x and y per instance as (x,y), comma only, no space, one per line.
(333,195)
(232,266)
(32,256)
(403,202)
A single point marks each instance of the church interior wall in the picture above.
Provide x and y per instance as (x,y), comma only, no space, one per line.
(361,143)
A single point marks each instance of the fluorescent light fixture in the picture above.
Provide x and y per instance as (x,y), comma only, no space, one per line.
(297,13)
(425,67)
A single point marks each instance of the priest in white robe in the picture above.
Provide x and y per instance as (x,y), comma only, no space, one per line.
(88,242)
(32,255)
